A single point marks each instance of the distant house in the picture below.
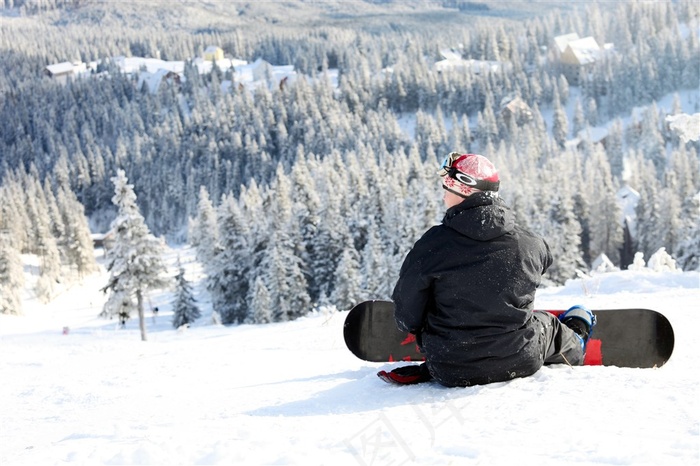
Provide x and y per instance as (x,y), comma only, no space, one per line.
(449,54)
(589,136)
(261,73)
(576,53)
(516,110)
(581,52)
(474,66)
(260,70)
(560,42)
(213,53)
(65,70)
(225,64)
(594,135)
(153,80)
(132,65)
(152,72)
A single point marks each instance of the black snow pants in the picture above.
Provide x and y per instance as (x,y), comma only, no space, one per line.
(559,344)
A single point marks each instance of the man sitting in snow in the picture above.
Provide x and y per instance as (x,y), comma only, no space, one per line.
(466,290)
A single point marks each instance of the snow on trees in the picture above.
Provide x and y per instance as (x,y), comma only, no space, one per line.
(11,274)
(686,126)
(228,274)
(185,309)
(49,223)
(560,124)
(348,289)
(77,241)
(135,261)
(605,227)
(353,189)
(45,244)
(661,261)
(204,234)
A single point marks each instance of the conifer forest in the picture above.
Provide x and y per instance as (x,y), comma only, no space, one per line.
(310,191)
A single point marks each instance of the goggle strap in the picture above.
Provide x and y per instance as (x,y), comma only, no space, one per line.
(482,185)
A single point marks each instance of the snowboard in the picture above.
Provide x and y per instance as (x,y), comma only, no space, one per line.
(622,337)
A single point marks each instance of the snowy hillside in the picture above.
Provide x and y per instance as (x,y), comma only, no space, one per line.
(290,393)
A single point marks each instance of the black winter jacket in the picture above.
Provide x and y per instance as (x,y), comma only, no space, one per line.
(467,289)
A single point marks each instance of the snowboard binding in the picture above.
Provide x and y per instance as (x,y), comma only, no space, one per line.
(581,320)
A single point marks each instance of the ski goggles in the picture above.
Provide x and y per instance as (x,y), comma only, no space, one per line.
(448,169)
(449,162)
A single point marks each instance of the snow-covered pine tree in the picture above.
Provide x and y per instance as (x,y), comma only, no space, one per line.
(487,126)
(606,225)
(685,164)
(306,212)
(561,228)
(228,276)
(279,264)
(57,227)
(650,140)
(333,232)
(359,205)
(43,242)
(205,233)
(410,204)
(648,212)
(580,121)
(563,87)
(422,189)
(283,202)
(261,304)
(581,203)
(185,309)
(671,214)
(11,269)
(376,276)
(135,261)
(14,206)
(455,135)
(560,123)
(77,241)
(466,142)
(615,148)
(348,284)
(11,273)
(280,270)
(592,111)
(688,250)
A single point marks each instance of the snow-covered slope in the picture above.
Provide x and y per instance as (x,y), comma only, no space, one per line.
(290,393)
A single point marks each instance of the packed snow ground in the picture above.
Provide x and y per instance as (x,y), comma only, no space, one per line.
(290,393)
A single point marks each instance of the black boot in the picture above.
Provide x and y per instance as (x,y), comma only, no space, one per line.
(578,326)
(581,320)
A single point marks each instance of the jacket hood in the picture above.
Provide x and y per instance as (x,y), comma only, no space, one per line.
(481,217)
